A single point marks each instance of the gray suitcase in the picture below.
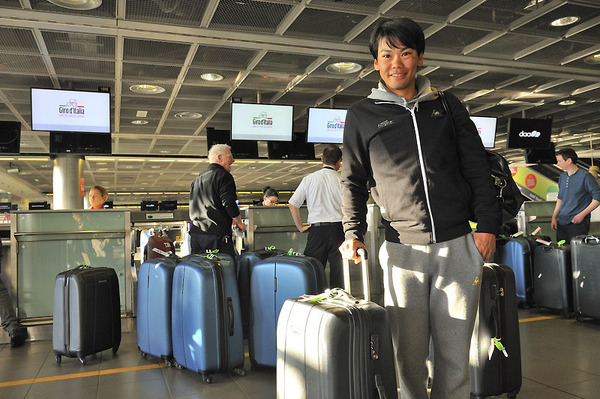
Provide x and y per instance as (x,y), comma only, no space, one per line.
(87,312)
(334,346)
(585,255)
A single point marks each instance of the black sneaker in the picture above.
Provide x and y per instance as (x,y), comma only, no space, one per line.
(16,338)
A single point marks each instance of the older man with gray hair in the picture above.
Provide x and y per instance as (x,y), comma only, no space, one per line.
(213,204)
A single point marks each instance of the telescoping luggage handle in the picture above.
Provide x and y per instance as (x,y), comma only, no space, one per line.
(365,274)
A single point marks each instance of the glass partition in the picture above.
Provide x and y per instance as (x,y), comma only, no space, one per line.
(49,242)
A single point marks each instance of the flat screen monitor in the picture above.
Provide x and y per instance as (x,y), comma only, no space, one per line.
(80,143)
(5,206)
(243,149)
(326,125)
(295,149)
(149,205)
(262,122)
(486,127)
(167,205)
(55,110)
(547,156)
(529,133)
(10,137)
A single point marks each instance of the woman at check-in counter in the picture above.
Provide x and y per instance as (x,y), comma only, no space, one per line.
(97,197)
(270,197)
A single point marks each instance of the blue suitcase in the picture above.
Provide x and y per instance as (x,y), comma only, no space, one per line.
(206,319)
(272,281)
(244,264)
(516,253)
(155,283)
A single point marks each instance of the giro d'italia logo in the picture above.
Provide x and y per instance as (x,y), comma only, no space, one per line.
(336,124)
(71,108)
(262,120)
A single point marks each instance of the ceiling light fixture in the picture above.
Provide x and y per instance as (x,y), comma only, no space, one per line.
(139,122)
(147,89)
(567,102)
(188,115)
(564,21)
(591,60)
(342,68)
(211,77)
(533,3)
(77,4)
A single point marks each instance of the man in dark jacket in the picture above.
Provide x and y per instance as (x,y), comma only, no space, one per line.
(213,204)
(399,143)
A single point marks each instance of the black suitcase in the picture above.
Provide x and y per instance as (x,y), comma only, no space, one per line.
(585,262)
(334,346)
(495,346)
(244,264)
(87,312)
(552,278)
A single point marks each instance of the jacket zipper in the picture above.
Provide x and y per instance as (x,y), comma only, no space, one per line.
(423,173)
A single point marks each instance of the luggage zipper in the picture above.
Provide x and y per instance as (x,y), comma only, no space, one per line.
(222,329)
(67,313)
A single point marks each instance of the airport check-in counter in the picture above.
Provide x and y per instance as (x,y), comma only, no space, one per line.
(273,225)
(45,243)
(536,214)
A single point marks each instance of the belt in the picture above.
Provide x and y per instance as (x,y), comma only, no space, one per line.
(324,224)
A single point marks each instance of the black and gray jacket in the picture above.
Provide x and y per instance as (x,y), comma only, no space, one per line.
(428,181)
(213,201)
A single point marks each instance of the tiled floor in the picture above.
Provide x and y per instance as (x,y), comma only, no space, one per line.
(560,358)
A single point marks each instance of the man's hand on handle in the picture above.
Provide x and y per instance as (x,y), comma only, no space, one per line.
(348,250)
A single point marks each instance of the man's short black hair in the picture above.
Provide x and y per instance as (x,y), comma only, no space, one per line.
(401,30)
(567,153)
(331,155)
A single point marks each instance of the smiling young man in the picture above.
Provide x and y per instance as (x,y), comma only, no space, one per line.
(399,143)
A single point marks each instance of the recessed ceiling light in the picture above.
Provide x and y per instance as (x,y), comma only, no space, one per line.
(139,122)
(147,89)
(564,21)
(141,114)
(77,4)
(164,151)
(567,102)
(341,68)
(212,77)
(188,115)
(592,60)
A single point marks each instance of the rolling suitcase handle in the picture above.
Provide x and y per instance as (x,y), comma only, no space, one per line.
(365,274)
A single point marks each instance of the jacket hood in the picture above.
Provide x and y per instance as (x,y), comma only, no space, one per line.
(424,93)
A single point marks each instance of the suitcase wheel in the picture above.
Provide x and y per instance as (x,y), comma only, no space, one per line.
(143,354)
(58,359)
(253,364)
(115,349)
(239,371)
(579,317)
(168,363)
(178,366)
(206,379)
(82,360)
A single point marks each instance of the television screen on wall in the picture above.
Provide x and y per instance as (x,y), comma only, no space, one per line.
(243,149)
(486,127)
(529,133)
(10,137)
(55,110)
(261,122)
(326,125)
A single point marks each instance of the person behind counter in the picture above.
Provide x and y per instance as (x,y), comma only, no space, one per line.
(97,197)
(270,197)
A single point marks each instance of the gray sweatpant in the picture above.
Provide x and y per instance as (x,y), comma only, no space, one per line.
(432,291)
(8,318)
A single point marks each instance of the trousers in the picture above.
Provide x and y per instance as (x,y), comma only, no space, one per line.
(432,292)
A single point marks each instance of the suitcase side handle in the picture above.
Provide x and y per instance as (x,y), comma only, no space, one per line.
(365,274)
(230,316)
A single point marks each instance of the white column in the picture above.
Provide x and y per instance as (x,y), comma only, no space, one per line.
(68,170)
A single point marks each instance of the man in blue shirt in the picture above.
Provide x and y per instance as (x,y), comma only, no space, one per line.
(578,196)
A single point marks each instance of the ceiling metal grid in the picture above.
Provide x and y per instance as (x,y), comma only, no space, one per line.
(500,57)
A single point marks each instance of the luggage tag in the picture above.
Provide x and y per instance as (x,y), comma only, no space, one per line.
(517,234)
(541,241)
(561,243)
(495,343)
(536,231)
